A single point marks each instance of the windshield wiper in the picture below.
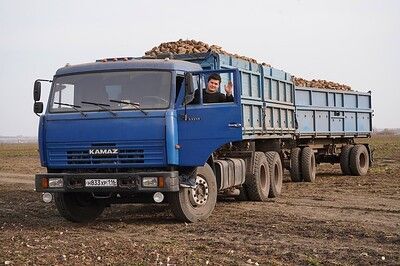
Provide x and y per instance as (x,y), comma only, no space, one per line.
(135,105)
(102,106)
(75,107)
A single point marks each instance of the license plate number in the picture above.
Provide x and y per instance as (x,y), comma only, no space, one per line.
(101,182)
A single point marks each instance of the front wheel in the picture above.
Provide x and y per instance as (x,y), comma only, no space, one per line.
(196,204)
(78,207)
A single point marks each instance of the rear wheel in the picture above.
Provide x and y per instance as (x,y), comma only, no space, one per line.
(345,159)
(359,160)
(295,165)
(308,165)
(258,182)
(78,207)
(276,173)
(196,204)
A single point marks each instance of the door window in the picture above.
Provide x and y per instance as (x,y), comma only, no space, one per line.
(212,91)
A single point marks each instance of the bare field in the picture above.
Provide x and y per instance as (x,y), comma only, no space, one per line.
(338,220)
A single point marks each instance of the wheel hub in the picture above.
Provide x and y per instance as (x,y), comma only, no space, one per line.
(199,195)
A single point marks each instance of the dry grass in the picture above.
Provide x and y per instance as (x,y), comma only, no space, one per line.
(18,150)
(20,158)
(386,146)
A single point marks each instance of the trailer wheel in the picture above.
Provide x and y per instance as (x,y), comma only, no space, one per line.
(258,182)
(359,160)
(78,207)
(275,172)
(196,204)
(345,159)
(308,165)
(295,165)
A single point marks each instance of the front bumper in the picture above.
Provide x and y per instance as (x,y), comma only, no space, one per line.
(126,182)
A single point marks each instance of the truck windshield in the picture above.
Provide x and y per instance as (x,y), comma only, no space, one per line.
(116,90)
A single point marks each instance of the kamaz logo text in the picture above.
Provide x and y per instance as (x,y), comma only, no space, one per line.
(103,151)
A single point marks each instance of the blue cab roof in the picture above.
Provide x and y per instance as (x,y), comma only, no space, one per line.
(158,64)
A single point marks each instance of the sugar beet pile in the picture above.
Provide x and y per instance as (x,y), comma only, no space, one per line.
(193,47)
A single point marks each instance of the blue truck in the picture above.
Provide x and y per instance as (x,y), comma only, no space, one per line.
(125,130)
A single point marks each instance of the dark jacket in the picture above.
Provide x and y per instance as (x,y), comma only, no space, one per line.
(216,97)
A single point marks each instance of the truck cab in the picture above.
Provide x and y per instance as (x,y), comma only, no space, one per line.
(123,130)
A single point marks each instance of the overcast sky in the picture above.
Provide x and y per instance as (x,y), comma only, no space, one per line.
(351,42)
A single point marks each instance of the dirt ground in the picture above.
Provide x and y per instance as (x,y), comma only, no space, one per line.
(338,220)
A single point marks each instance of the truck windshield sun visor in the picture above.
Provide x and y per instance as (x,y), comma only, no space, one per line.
(111,91)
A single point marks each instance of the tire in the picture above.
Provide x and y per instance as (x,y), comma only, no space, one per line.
(192,205)
(78,207)
(295,165)
(345,159)
(275,173)
(258,182)
(359,160)
(308,166)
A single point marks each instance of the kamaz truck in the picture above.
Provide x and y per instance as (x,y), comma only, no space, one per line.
(125,130)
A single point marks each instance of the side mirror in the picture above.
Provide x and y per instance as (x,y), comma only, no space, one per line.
(189,88)
(38,107)
(37,89)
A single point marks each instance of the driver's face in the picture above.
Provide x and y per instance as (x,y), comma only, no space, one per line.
(213,85)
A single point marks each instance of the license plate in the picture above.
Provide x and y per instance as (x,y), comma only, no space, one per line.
(101,182)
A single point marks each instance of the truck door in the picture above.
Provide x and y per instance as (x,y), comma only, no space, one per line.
(204,127)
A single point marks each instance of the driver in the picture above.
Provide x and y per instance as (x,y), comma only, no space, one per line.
(211,93)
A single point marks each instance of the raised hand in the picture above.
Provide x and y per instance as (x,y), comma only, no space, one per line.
(229,88)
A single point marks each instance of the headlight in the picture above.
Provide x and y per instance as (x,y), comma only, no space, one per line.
(150,181)
(56,182)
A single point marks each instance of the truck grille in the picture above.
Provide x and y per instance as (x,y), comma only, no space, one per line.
(124,156)
(128,154)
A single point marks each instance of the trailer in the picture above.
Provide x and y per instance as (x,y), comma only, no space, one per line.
(321,124)
(125,130)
